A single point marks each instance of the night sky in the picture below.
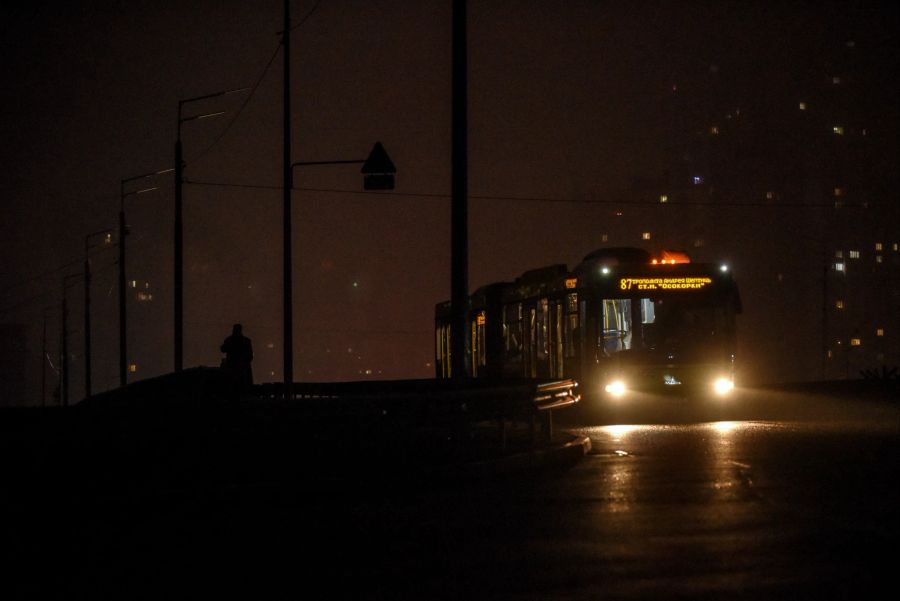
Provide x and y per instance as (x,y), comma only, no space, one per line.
(578,111)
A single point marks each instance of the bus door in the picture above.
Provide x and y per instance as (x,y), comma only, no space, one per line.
(478,345)
(514,340)
(572,335)
(557,339)
(530,354)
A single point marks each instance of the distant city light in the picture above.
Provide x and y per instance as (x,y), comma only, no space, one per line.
(697,179)
(802,106)
(723,268)
(663,198)
(838,129)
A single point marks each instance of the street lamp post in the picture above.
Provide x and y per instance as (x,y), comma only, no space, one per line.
(64,366)
(44,360)
(123,320)
(87,308)
(179,223)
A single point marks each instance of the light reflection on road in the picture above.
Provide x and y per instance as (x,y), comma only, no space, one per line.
(715,457)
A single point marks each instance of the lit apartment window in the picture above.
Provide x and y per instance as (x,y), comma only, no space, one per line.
(896,246)
(838,129)
(838,191)
(878,258)
(645,235)
(802,106)
(839,267)
(838,254)
(830,354)
(132,368)
(879,332)
(855,342)
(770,195)
(144,296)
(663,198)
(697,179)
(854,254)
(836,80)
(879,246)
(698,242)
(134,283)
(604,237)
(838,304)
(714,130)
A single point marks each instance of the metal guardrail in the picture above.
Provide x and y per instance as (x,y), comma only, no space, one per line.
(406,403)
(458,402)
(483,396)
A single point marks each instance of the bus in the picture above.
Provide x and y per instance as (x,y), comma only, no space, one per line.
(620,322)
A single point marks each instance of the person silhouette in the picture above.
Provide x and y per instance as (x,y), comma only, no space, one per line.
(238,354)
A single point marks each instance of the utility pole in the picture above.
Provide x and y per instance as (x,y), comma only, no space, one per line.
(64,391)
(87,309)
(123,320)
(44,362)
(459,270)
(87,323)
(178,271)
(179,252)
(123,232)
(824,318)
(288,326)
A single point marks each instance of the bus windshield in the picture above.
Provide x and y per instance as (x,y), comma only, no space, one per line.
(681,324)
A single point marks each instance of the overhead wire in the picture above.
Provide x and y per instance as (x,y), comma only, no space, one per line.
(544,199)
(253,88)
(52,290)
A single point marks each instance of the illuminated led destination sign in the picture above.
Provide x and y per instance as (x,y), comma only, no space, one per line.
(686,283)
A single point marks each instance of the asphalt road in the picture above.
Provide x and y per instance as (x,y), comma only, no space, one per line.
(766,496)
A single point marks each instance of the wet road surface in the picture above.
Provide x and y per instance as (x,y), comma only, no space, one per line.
(769,497)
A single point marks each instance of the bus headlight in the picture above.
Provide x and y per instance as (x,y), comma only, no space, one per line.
(616,388)
(723,386)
